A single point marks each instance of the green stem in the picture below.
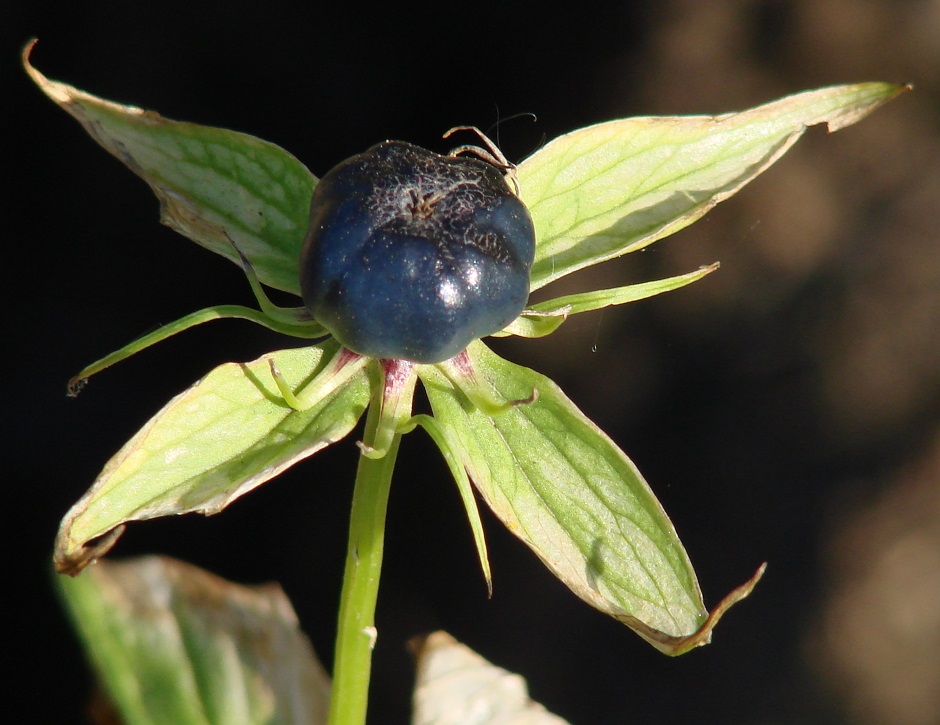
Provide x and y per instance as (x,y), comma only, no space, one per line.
(356,632)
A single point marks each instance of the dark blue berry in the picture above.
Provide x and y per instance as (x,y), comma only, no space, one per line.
(413,255)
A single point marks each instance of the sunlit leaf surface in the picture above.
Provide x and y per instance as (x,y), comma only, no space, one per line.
(456,686)
(227,434)
(605,190)
(175,645)
(210,181)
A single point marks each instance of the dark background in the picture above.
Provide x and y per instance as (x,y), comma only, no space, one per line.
(785,409)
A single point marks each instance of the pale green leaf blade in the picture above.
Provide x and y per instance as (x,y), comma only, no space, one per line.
(605,190)
(209,181)
(174,645)
(227,434)
(456,686)
(562,486)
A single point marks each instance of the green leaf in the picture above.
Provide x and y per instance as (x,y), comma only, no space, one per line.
(227,434)
(564,488)
(456,686)
(210,181)
(174,644)
(605,190)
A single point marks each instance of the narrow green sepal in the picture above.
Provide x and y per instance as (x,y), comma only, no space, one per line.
(543,318)
(308,330)
(282,315)
(449,446)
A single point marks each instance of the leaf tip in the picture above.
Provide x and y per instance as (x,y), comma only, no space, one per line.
(675,646)
(27,49)
(71,560)
(872,97)
(704,634)
(37,77)
(76,385)
(55,91)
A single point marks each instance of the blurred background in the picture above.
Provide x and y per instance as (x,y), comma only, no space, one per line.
(785,409)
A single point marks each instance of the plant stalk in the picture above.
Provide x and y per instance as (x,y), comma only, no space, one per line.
(355,636)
